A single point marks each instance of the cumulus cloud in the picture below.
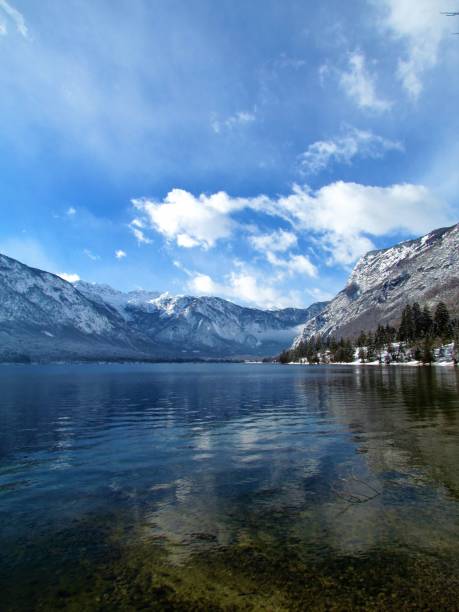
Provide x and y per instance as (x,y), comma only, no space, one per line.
(70,278)
(420,25)
(15,16)
(71,211)
(278,241)
(244,286)
(344,148)
(119,254)
(294,264)
(359,84)
(191,221)
(342,217)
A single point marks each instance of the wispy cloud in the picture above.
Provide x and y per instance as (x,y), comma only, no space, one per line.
(350,144)
(15,16)
(137,226)
(90,255)
(420,25)
(238,119)
(359,84)
(120,254)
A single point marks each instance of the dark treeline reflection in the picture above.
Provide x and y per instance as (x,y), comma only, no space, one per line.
(320,463)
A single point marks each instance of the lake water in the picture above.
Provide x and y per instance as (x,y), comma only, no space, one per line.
(228,486)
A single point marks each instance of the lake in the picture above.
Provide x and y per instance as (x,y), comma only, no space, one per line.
(228,487)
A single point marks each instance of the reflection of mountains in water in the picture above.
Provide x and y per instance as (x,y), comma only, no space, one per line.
(221,455)
(384,437)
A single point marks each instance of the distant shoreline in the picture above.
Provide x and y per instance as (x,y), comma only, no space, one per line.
(413,364)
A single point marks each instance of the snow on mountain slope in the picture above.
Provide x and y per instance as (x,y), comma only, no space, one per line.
(44,317)
(425,270)
(203,325)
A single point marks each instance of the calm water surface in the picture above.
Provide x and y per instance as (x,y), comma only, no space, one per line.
(228,486)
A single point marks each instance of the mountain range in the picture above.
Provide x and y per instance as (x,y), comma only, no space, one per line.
(425,270)
(43,317)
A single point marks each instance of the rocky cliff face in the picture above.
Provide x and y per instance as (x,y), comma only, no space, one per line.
(425,270)
(44,317)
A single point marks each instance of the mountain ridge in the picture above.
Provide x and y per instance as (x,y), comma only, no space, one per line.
(43,317)
(424,269)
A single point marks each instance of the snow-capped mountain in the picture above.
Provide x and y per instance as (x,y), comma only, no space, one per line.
(44,317)
(425,270)
(202,325)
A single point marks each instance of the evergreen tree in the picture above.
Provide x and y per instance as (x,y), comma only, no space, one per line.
(362,339)
(426,321)
(427,351)
(406,329)
(417,320)
(371,349)
(442,321)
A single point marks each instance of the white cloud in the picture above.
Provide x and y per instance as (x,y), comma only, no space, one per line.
(341,216)
(421,26)
(70,278)
(119,254)
(359,84)
(91,255)
(71,212)
(188,220)
(137,226)
(343,149)
(294,264)
(244,286)
(276,242)
(140,236)
(238,119)
(15,16)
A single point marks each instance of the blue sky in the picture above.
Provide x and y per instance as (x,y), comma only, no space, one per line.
(252,150)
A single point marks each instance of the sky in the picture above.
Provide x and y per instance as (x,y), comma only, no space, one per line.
(252,150)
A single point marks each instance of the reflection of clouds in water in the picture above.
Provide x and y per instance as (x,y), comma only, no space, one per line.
(203,441)
(230,461)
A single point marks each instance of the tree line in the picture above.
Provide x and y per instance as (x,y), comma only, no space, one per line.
(419,333)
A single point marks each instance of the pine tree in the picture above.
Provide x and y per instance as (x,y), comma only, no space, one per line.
(427,351)
(442,321)
(426,321)
(406,329)
(417,320)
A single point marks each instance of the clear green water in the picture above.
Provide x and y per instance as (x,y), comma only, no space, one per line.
(229,487)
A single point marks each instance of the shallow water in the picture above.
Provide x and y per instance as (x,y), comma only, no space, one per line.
(228,486)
